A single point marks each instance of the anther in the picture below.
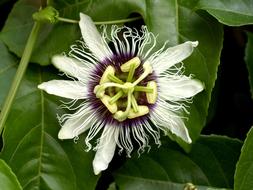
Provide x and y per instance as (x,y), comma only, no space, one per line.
(142,110)
(147,70)
(147,67)
(126,66)
(120,116)
(108,71)
(152,96)
(99,91)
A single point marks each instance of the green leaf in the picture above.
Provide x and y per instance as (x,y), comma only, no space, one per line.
(31,147)
(249,60)
(8,180)
(203,63)
(244,167)
(8,64)
(229,12)
(175,22)
(211,163)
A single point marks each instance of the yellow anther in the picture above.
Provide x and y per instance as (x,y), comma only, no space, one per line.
(111,107)
(147,70)
(142,110)
(99,91)
(120,116)
(108,71)
(126,66)
(147,67)
(152,96)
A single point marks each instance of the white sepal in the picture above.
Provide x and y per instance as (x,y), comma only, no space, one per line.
(166,120)
(172,56)
(64,88)
(105,149)
(71,66)
(96,44)
(177,88)
(76,123)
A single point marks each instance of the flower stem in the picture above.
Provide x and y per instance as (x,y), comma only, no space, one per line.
(19,74)
(102,22)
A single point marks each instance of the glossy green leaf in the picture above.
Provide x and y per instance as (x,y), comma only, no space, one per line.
(203,63)
(244,167)
(8,180)
(8,64)
(209,165)
(175,22)
(229,12)
(31,147)
(249,60)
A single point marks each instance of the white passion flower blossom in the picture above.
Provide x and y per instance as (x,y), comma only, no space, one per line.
(127,93)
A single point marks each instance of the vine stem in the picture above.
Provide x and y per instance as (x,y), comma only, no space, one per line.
(102,22)
(19,74)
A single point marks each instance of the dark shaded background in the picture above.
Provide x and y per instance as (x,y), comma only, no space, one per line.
(231,109)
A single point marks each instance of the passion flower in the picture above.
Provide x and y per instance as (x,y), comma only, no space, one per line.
(128,93)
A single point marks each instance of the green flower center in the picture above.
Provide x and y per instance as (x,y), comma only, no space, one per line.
(120,97)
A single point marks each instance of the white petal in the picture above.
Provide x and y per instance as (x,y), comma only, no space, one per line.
(166,120)
(93,39)
(70,66)
(65,88)
(106,149)
(179,87)
(77,123)
(180,129)
(171,56)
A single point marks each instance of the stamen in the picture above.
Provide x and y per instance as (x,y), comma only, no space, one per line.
(131,73)
(134,104)
(105,77)
(116,97)
(115,79)
(120,115)
(99,90)
(143,89)
(111,107)
(152,96)
(126,66)
(132,109)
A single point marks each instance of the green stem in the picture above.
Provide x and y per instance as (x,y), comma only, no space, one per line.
(102,22)
(68,20)
(19,74)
